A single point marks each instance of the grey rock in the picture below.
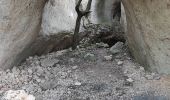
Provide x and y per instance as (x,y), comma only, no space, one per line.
(101,44)
(117,48)
(48,85)
(77,83)
(49,62)
(108,58)
(74,67)
(130,80)
(89,56)
(149,77)
(120,63)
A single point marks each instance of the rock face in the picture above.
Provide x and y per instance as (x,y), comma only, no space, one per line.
(123,19)
(60,15)
(148,33)
(102,11)
(19,26)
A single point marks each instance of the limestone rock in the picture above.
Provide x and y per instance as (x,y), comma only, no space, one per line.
(19,26)
(108,58)
(148,32)
(117,48)
(58,16)
(17,95)
(102,11)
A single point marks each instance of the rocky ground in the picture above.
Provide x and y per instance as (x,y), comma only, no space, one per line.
(95,72)
(91,72)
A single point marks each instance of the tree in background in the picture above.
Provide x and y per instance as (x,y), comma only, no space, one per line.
(78,21)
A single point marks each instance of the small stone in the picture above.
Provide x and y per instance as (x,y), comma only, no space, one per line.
(142,69)
(101,44)
(8,70)
(69,71)
(157,77)
(110,75)
(30,58)
(63,75)
(72,60)
(149,77)
(30,71)
(40,71)
(70,49)
(108,58)
(120,63)
(77,83)
(42,81)
(130,80)
(74,67)
(89,55)
(14,70)
(69,92)
(38,80)
(37,62)
(49,62)
(48,85)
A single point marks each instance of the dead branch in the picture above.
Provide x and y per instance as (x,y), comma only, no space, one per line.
(78,21)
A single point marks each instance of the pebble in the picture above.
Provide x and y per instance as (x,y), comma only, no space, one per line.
(49,62)
(30,71)
(120,63)
(89,55)
(38,80)
(77,83)
(101,44)
(141,68)
(130,80)
(149,77)
(74,67)
(157,77)
(108,58)
(30,58)
(72,60)
(40,71)
(63,75)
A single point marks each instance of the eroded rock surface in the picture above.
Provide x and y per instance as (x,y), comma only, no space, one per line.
(19,26)
(60,15)
(148,32)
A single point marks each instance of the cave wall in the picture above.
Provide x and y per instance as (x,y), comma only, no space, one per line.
(19,26)
(148,32)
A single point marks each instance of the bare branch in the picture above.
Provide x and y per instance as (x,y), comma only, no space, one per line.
(89,5)
(78,21)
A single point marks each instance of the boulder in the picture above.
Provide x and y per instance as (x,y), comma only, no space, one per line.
(148,32)
(17,95)
(19,26)
(58,16)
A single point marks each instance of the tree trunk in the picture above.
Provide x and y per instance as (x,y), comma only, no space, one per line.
(76,31)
